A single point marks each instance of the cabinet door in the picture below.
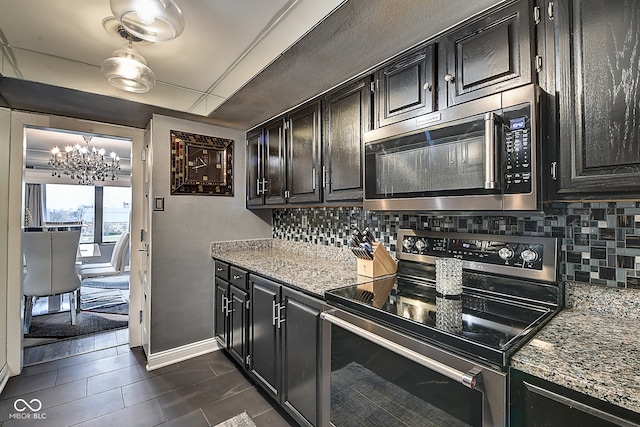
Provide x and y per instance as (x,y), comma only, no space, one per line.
(301,352)
(489,55)
(237,340)
(274,163)
(536,402)
(304,155)
(255,169)
(405,89)
(598,96)
(265,334)
(346,119)
(220,326)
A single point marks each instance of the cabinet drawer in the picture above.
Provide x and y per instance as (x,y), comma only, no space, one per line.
(222,270)
(239,277)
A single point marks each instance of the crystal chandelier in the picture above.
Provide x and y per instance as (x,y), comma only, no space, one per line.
(84,164)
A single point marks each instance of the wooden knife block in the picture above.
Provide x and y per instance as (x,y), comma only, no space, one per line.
(381,265)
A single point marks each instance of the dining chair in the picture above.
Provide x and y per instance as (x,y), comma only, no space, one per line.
(50,258)
(115,266)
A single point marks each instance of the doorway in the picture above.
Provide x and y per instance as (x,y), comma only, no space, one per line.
(96,199)
(26,155)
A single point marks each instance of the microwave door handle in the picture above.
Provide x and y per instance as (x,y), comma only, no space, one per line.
(490,153)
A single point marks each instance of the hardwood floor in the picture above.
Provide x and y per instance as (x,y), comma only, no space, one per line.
(71,347)
(109,386)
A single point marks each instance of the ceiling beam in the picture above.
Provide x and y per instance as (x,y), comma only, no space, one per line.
(47,99)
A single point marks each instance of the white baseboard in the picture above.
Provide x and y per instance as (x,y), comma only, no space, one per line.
(178,354)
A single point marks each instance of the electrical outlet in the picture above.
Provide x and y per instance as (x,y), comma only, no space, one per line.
(305,221)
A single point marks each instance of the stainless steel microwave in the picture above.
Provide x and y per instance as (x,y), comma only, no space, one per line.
(482,155)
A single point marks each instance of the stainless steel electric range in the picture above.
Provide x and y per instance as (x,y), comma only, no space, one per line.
(438,357)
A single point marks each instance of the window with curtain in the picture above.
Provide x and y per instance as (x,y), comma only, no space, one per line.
(34,204)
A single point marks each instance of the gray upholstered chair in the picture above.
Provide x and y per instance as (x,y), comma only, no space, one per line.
(112,268)
(50,258)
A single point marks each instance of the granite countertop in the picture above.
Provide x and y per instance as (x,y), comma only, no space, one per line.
(311,268)
(592,346)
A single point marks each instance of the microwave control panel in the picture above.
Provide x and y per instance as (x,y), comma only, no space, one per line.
(517,150)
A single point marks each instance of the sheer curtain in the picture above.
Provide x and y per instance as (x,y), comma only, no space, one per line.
(35,202)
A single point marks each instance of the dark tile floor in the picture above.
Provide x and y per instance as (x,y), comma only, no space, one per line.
(109,386)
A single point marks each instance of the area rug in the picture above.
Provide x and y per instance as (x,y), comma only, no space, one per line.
(98,300)
(241,420)
(58,325)
(107,282)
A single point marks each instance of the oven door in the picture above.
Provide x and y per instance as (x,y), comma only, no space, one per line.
(374,376)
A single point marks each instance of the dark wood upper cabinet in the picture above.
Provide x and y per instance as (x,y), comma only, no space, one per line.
(346,118)
(274,184)
(405,87)
(303,162)
(255,168)
(489,55)
(598,77)
(284,160)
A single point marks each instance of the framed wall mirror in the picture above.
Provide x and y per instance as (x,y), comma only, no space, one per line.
(201,164)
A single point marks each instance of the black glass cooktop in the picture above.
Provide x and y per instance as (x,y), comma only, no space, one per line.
(476,324)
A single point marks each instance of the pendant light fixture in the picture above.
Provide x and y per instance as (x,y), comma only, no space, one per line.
(153,20)
(127,70)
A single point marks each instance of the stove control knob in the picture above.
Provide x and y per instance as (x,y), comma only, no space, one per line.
(421,245)
(529,255)
(506,253)
(407,243)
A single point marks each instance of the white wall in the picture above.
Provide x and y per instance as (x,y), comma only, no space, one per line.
(182,268)
(5,133)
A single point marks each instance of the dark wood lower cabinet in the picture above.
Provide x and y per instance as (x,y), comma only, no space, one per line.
(536,402)
(231,319)
(284,347)
(238,323)
(264,335)
(221,324)
(300,353)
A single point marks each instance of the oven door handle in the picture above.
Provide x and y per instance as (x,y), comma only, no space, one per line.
(470,379)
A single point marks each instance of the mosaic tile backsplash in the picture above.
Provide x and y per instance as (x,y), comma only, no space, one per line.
(600,242)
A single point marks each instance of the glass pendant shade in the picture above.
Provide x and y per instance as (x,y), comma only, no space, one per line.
(153,20)
(127,70)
